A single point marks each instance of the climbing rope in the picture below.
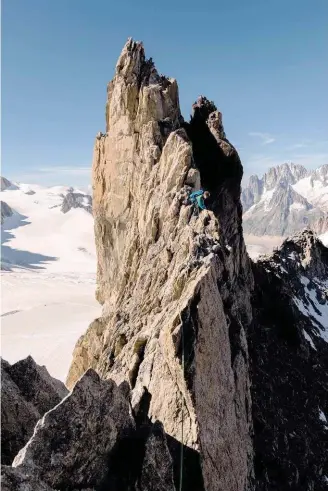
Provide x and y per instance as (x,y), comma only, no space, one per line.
(183,367)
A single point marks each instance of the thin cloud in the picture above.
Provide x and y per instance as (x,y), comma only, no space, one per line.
(296,146)
(54,176)
(74,171)
(303,143)
(265,137)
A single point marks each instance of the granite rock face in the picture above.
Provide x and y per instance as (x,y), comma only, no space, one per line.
(175,285)
(27,392)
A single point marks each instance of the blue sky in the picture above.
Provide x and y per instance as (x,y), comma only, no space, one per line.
(264,64)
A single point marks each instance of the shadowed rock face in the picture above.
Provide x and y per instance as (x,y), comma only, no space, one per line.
(61,452)
(15,480)
(175,286)
(289,365)
(93,441)
(5,184)
(27,392)
(219,166)
(6,211)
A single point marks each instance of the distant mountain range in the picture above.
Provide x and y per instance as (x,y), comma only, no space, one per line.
(285,200)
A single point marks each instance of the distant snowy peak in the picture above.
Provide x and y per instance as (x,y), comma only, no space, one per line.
(285,173)
(285,200)
(5,183)
(282,174)
(315,187)
(75,199)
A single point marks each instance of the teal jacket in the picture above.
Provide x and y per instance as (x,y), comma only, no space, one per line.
(198,197)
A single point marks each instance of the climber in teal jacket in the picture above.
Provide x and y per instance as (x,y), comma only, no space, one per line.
(197,197)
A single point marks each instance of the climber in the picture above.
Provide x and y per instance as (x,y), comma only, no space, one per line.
(197,197)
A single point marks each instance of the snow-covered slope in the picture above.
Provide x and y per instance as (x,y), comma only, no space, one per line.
(287,199)
(324,238)
(48,278)
(315,187)
(43,233)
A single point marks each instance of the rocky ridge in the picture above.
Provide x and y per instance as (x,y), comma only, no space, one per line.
(288,346)
(86,441)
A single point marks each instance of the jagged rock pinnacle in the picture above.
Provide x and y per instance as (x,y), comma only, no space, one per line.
(160,271)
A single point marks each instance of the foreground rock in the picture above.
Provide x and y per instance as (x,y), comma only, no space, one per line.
(29,389)
(91,440)
(72,442)
(175,286)
(14,480)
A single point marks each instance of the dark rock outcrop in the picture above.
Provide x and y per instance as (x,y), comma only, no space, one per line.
(6,211)
(288,345)
(72,442)
(5,184)
(14,480)
(27,392)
